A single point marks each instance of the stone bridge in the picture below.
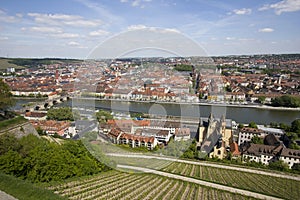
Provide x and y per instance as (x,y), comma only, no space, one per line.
(48,103)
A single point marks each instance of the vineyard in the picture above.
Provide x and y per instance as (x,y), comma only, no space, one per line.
(120,185)
(273,186)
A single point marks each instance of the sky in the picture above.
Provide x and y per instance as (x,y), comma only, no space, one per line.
(74,28)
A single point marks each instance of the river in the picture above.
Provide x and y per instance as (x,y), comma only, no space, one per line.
(238,114)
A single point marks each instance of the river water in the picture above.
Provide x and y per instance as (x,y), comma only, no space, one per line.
(238,114)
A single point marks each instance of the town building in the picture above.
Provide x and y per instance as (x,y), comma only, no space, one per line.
(266,154)
(290,156)
(246,134)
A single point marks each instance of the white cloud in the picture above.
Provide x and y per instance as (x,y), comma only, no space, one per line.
(7,18)
(64,20)
(243,11)
(40,29)
(3,38)
(72,43)
(136,3)
(20,15)
(55,32)
(283,6)
(266,30)
(66,35)
(136,27)
(102,11)
(98,33)
(230,38)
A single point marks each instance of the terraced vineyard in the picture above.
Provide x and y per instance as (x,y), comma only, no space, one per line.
(120,185)
(273,186)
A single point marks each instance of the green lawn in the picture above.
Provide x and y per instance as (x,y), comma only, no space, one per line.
(11,122)
(24,190)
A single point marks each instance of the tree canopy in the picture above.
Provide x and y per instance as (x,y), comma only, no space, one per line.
(103,116)
(296,126)
(6,99)
(257,140)
(37,160)
(286,101)
(252,125)
(61,114)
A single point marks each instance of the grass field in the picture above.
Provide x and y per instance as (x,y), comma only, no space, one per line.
(24,190)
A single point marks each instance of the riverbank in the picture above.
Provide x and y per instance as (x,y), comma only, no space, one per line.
(198,103)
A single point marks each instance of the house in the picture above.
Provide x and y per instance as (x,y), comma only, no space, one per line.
(51,126)
(275,131)
(162,135)
(116,136)
(35,115)
(234,149)
(262,153)
(269,153)
(246,134)
(290,156)
(182,134)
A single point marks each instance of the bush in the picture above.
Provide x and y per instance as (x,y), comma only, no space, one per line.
(279,165)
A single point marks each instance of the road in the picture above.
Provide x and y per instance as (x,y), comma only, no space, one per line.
(200,182)
(295,177)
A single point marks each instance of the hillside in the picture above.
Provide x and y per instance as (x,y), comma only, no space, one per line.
(5,63)
(20,63)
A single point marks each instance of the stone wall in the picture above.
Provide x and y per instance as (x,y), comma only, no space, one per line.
(20,130)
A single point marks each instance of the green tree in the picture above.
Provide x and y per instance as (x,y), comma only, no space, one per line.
(257,140)
(286,101)
(8,142)
(38,160)
(103,116)
(241,126)
(261,99)
(296,126)
(252,125)
(60,114)
(296,167)
(6,100)
(279,165)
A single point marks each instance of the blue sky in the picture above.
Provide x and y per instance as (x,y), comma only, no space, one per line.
(72,28)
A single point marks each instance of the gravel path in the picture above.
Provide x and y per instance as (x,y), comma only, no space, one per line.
(4,196)
(200,182)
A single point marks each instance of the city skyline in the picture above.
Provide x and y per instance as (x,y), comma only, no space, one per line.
(72,29)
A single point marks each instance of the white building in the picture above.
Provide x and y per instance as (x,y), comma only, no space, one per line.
(246,134)
(290,156)
(262,153)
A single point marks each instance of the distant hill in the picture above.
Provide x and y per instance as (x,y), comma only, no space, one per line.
(5,63)
(19,63)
